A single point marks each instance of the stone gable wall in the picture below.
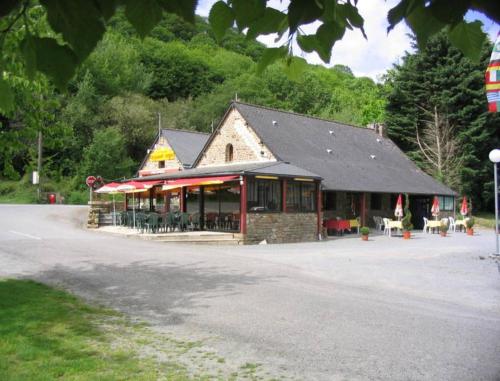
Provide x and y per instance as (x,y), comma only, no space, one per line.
(281,227)
(247,147)
(170,165)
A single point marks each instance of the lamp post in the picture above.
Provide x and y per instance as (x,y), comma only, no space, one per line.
(495,158)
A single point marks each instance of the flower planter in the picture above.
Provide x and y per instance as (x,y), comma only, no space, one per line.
(470,231)
(364,237)
(406,235)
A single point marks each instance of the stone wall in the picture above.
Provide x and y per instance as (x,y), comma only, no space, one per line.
(281,227)
(247,147)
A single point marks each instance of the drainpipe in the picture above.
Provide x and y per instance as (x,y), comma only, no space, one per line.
(318,209)
(243,205)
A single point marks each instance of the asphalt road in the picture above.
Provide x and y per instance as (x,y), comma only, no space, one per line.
(428,309)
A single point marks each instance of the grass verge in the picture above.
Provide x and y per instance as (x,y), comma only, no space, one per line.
(47,334)
(485,220)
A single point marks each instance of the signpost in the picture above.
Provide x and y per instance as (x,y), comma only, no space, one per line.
(90,181)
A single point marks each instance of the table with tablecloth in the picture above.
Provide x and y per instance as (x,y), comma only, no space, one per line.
(394,225)
(338,225)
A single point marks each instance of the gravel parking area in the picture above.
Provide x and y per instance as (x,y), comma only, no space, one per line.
(342,309)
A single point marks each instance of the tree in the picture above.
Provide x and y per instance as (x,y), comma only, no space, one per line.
(106,156)
(77,26)
(439,93)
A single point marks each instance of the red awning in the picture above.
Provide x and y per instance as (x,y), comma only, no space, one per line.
(171,184)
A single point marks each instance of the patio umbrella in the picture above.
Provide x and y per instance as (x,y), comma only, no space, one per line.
(435,207)
(133,187)
(464,208)
(110,189)
(398,212)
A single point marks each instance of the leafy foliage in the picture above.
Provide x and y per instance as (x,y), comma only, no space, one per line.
(406,221)
(440,77)
(75,27)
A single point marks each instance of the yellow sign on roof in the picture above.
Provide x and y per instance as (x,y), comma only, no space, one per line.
(162,154)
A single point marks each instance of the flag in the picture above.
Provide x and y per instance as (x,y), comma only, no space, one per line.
(492,77)
(398,212)
(464,208)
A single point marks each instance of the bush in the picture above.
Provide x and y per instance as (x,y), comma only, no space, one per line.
(470,223)
(443,228)
(406,221)
(78,198)
(365,230)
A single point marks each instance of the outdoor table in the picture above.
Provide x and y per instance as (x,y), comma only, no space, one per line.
(460,223)
(395,225)
(433,224)
(337,225)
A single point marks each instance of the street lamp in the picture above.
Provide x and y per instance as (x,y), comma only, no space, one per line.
(495,158)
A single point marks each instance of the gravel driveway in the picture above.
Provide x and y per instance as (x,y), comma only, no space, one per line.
(386,309)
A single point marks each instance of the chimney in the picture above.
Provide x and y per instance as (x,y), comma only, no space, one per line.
(378,128)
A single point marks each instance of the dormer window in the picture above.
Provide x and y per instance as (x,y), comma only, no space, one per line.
(161,164)
(229,153)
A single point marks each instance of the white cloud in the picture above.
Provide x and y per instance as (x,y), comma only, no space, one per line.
(371,57)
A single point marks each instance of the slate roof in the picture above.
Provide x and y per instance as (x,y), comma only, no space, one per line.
(186,144)
(360,159)
(276,168)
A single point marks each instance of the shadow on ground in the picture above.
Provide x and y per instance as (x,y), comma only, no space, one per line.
(161,292)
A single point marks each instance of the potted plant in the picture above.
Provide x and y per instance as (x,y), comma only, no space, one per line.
(364,233)
(443,229)
(469,224)
(406,221)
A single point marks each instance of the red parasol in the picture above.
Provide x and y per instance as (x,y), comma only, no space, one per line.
(435,207)
(464,209)
(398,212)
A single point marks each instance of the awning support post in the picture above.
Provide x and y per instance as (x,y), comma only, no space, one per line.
(243,205)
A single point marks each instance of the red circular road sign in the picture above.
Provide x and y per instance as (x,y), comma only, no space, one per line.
(90,181)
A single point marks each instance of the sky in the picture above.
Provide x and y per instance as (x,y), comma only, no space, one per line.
(371,57)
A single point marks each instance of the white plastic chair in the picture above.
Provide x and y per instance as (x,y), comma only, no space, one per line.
(379,224)
(426,228)
(387,229)
(452,226)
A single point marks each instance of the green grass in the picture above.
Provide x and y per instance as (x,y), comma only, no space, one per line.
(47,334)
(485,220)
(17,192)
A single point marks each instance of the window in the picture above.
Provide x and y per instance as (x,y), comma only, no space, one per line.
(445,203)
(300,196)
(330,200)
(263,195)
(229,153)
(161,164)
(375,201)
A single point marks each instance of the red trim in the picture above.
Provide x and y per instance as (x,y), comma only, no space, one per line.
(243,206)
(318,207)
(283,201)
(199,180)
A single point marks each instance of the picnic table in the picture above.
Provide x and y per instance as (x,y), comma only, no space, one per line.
(395,225)
(460,223)
(433,224)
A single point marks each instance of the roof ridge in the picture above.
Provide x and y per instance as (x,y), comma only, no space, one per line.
(184,130)
(299,114)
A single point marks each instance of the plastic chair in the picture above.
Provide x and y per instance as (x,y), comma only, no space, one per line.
(151,223)
(387,229)
(379,224)
(426,228)
(452,225)
(184,221)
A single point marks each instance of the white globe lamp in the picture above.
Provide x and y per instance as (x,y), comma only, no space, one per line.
(495,158)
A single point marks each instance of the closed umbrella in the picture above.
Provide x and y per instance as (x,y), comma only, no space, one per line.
(435,207)
(110,189)
(133,187)
(464,209)
(398,212)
